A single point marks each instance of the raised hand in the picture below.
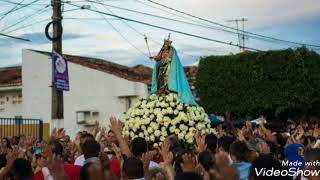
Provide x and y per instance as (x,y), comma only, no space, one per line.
(115,125)
(264,148)
(222,159)
(188,163)
(165,153)
(200,142)
(240,136)
(146,158)
(56,168)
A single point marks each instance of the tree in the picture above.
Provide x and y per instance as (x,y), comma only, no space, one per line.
(275,83)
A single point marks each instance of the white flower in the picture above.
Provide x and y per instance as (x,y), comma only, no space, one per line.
(164,134)
(163,129)
(203,131)
(150,130)
(177,131)
(157,133)
(162,138)
(164,111)
(126,133)
(156,145)
(175,112)
(170,110)
(172,129)
(181,136)
(147,121)
(141,135)
(179,107)
(166,124)
(159,116)
(174,122)
(143,127)
(137,104)
(147,138)
(152,138)
(152,116)
(166,119)
(144,102)
(132,135)
(191,123)
(146,133)
(190,140)
(172,104)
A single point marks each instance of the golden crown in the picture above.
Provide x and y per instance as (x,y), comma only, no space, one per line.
(168,41)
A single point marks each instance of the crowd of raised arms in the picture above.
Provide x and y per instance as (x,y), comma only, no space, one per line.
(231,153)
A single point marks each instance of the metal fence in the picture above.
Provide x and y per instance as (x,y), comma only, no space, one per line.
(16,127)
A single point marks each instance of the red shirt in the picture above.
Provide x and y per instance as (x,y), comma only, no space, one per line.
(73,171)
(115,167)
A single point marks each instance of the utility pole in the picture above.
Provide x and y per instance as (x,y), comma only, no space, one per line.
(241,36)
(57,96)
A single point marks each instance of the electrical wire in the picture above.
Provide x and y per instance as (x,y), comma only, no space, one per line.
(168,29)
(13,37)
(18,8)
(36,13)
(11,10)
(123,37)
(185,22)
(29,25)
(245,32)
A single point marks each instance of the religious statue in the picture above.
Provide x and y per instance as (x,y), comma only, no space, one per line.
(168,74)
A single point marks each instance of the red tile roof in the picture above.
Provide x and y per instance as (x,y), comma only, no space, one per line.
(138,73)
(131,74)
(10,76)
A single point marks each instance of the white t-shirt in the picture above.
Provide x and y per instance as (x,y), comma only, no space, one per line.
(79,160)
(153,165)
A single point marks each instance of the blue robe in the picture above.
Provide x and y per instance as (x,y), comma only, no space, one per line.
(177,80)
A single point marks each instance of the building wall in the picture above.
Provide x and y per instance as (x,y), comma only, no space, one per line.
(90,90)
(10,102)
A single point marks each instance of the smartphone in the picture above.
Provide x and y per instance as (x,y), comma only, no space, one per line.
(38,150)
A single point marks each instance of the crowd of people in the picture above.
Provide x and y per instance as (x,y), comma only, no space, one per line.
(230,153)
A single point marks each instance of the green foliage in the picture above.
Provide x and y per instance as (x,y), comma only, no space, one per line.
(275,83)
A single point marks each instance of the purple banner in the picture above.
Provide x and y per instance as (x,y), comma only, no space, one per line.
(61,76)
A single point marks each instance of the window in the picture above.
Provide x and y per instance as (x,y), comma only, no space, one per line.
(87,117)
(127,102)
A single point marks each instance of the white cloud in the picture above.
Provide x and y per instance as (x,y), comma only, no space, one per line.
(100,40)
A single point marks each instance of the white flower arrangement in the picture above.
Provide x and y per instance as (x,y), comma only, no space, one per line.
(158,117)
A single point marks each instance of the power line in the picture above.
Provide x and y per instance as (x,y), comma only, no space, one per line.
(13,37)
(168,29)
(10,2)
(28,25)
(161,17)
(137,31)
(16,8)
(11,10)
(123,37)
(36,13)
(246,32)
(206,26)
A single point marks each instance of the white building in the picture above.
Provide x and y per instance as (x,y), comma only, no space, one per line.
(98,89)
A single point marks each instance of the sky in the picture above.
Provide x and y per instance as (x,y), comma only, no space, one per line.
(91,34)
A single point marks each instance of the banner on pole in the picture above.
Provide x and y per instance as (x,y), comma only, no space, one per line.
(61,76)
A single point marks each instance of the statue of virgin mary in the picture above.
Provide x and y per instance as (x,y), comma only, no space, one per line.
(168,74)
